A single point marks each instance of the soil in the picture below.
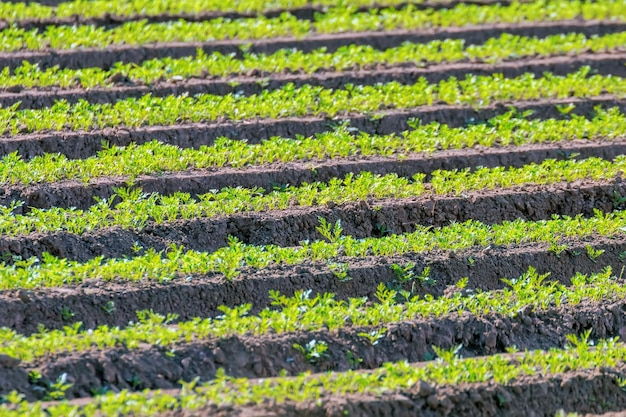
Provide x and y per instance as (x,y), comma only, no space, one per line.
(72,193)
(604,64)
(251,356)
(105,58)
(362,219)
(84,144)
(586,391)
(202,295)
(115,303)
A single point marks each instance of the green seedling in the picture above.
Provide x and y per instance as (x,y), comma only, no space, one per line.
(67,314)
(109,308)
(313,351)
(593,254)
(340,270)
(374,336)
(331,232)
(404,273)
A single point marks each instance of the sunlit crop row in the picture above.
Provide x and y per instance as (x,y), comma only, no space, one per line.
(391,377)
(100,8)
(334,21)
(228,261)
(157,158)
(135,209)
(505,47)
(305,313)
(476,91)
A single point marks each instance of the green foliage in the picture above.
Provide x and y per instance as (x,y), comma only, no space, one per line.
(329,231)
(404,273)
(135,209)
(593,253)
(391,377)
(313,351)
(109,308)
(102,8)
(335,20)
(302,312)
(307,100)
(52,271)
(348,57)
(155,157)
(340,270)
(374,336)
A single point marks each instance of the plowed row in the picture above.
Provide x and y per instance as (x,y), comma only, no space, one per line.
(242,320)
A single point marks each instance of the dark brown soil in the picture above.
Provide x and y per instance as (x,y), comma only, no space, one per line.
(201,295)
(105,58)
(85,144)
(292,226)
(72,193)
(267,355)
(302,13)
(605,64)
(588,391)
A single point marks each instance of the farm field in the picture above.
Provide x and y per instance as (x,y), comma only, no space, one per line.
(312,208)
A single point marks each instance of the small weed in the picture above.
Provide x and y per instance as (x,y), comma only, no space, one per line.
(330,231)
(109,308)
(312,351)
(67,314)
(404,273)
(593,254)
(340,270)
(373,337)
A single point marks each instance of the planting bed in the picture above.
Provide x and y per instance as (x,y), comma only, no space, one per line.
(314,209)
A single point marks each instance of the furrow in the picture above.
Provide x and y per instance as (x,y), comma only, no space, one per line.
(292,226)
(265,356)
(105,58)
(77,145)
(202,295)
(72,193)
(602,63)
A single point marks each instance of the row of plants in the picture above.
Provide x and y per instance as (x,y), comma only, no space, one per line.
(336,20)
(447,369)
(349,57)
(289,101)
(155,158)
(228,261)
(322,312)
(305,313)
(131,208)
(102,8)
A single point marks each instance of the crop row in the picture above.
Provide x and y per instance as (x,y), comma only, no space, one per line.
(334,21)
(155,157)
(137,209)
(349,57)
(448,369)
(477,91)
(101,8)
(305,313)
(230,260)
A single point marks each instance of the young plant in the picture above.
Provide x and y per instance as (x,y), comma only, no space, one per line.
(340,270)
(313,351)
(404,273)
(374,336)
(593,254)
(332,232)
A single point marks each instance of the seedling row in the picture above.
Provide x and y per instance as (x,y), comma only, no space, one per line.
(323,207)
(504,47)
(334,21)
